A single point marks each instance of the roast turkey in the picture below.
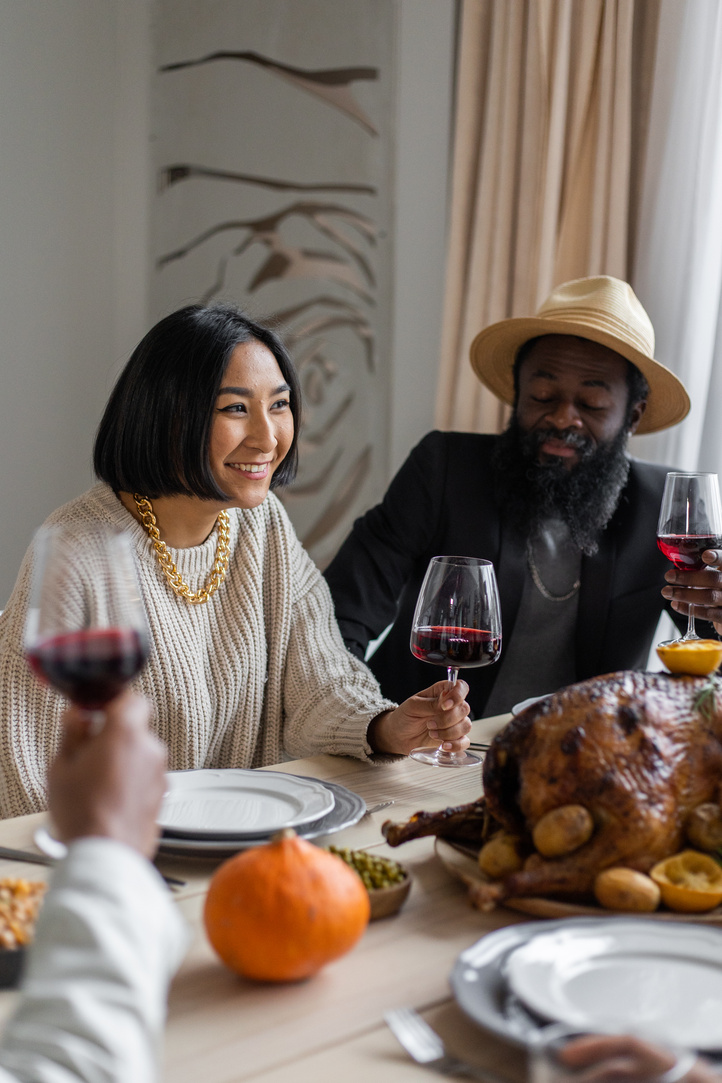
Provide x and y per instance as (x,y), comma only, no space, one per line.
(640,751)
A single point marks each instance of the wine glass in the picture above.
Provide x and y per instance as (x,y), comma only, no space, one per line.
(457,624)
(690,521)
(85,631)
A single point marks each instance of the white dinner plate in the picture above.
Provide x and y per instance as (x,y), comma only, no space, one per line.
(234,803)
(519,707)
(479,984)
(347,810)
(49,845)
(610,974)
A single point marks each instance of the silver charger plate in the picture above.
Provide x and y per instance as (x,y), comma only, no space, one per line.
(479,983)
(347,810)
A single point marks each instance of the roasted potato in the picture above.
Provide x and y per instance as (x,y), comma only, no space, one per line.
(500,856)
(563,830)
(625,889)
(704,827)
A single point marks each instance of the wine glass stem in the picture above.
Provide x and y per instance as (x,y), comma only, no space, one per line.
(691,631)
(452,672)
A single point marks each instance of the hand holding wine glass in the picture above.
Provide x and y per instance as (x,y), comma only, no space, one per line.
(87,641)
(112,786)
(690,522)
(457,624)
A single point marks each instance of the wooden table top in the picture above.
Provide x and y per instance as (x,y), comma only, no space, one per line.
(223,1029)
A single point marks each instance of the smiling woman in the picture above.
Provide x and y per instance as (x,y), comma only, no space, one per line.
(253,429)
(246,660)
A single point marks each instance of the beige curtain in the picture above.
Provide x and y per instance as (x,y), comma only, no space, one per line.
(551,110)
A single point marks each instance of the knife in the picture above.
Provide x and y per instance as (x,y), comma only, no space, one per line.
(42,859)
(26,855)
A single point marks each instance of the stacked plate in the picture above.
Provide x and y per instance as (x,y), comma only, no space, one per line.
(223,811)
(597,974)
(519,707)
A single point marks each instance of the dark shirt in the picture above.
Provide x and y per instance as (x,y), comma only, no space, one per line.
(539,658)
(447,499)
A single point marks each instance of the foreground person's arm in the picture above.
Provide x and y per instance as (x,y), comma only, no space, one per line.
(92,1006)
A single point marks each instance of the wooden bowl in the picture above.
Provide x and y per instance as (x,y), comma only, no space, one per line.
(389,900)
(384,900)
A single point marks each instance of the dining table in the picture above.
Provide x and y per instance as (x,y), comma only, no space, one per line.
(222,1028)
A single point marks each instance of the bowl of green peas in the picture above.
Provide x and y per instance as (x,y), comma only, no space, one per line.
(387,882)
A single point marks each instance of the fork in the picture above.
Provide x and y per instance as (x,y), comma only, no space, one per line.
(426,1047)
(377,808)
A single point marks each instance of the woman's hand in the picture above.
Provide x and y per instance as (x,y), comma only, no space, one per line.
(703,589)
(436,715)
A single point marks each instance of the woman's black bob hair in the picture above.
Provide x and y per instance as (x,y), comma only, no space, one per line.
(154,435)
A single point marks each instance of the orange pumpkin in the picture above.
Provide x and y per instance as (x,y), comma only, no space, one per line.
(281,911)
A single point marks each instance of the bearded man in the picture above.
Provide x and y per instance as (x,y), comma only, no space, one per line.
(566,516)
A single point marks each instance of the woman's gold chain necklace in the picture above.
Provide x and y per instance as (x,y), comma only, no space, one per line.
(220,564)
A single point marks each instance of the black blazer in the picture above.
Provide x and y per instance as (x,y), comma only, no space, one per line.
(446,499)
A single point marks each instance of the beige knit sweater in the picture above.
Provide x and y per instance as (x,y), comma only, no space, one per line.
(258,670)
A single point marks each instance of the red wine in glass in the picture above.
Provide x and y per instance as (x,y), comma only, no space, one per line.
(455,647)
(457,624)
(85,631)
(92,666)
(685,550)
(690,521)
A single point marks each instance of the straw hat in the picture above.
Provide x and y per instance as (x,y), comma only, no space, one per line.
(602,309)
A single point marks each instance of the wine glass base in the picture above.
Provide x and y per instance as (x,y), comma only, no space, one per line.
(436,757)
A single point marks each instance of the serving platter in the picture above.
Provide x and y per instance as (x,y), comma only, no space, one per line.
(462,864)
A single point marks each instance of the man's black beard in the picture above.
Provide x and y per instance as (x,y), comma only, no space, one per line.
(585,496)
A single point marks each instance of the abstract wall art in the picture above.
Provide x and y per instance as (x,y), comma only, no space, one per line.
(272,142)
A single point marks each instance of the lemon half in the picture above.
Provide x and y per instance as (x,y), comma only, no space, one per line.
(697,657)
(690,882)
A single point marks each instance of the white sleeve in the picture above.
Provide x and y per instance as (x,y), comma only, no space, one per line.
(93,1001)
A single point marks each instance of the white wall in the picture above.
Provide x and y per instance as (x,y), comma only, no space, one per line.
(61,285)
(425,69)
(74,184)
